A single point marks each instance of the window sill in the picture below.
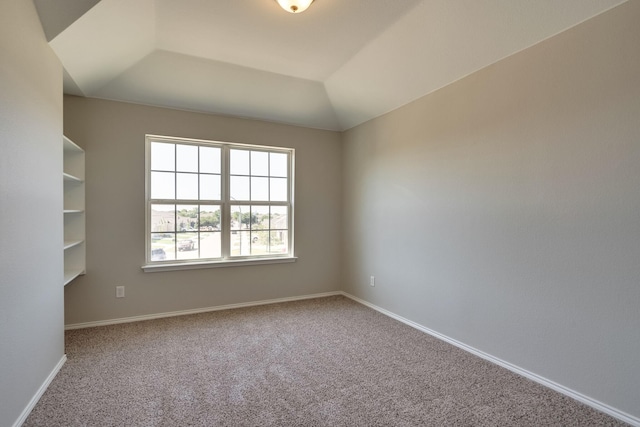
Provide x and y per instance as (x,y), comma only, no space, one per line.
(153,268)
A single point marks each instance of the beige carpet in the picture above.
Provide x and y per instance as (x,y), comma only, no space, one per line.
(322,362)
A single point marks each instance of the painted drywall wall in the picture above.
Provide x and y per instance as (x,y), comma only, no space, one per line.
(503,210)
(31,257)
(113,136)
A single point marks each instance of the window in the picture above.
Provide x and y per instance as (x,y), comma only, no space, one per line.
(214,203)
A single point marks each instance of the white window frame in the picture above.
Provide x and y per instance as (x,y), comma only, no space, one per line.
(225,203)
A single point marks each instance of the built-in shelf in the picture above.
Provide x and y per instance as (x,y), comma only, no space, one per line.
(74,214)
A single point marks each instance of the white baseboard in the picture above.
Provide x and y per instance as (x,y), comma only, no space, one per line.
(602,407)
(195,311)
(34,400)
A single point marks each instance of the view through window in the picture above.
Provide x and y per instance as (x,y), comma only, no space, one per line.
(215,201)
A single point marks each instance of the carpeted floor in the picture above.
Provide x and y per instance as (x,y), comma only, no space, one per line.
(321,362)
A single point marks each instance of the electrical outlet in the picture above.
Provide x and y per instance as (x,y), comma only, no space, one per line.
(119,291)
(372,281)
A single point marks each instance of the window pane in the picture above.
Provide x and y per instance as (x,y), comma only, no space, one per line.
(163,249)
(259,189)
(279,243)
(187,158)
(209,218)
(162,232)
(209,187)
(163,218)
(240,243)
(210,245)
(187,217)
(261,217)
(259,242)
(279,218)
(239,187)
(209,160)
(239,162)
(187,245)
(162,156)
(259,163)
(240,217)
(157,252)
(278,189)
(163,185)
(278,164)
(187,186)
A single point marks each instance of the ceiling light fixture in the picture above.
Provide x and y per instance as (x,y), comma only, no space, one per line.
(294,6)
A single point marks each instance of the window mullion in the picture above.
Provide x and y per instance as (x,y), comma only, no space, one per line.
(175,197)
(198,207)
(226,205)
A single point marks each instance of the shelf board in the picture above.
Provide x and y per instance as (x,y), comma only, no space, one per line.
(69,145)
(71,178)
(72,211)
(71,274)
(71,243)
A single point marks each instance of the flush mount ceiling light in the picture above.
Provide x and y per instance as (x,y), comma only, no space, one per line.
(294,6)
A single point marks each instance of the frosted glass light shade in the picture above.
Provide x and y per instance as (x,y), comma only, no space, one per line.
(294,6)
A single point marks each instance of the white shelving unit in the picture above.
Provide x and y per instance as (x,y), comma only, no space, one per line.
(74,215)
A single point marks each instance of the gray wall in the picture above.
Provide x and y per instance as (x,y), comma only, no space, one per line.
(31,296)
(504,210)
(112,134)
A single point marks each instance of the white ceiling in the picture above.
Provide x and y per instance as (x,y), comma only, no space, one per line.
(339,64)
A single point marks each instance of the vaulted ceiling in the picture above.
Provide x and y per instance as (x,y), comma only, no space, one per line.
(340,63)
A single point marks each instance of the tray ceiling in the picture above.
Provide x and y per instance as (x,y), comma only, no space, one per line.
(340,63)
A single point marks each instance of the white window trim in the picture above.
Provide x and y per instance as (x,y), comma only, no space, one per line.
(195,265)
(227,260)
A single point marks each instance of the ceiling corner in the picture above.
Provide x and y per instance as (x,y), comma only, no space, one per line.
(56,16)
